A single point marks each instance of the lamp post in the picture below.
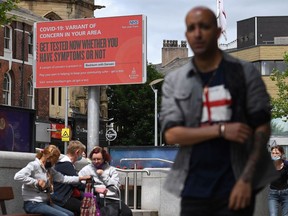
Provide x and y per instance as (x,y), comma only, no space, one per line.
(155,115)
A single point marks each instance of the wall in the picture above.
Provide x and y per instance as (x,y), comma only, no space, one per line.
(265,29)
(153,196)
(263,53)
(171,51)
(66,9)
(258,53)
(10,163)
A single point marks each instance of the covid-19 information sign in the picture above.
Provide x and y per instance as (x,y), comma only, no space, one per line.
(88,52)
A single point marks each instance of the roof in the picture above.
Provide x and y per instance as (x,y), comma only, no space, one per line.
(173,65)
(24,15)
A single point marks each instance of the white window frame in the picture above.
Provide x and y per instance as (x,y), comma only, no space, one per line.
(30,44)
(7,37)
(30,94)
(7,87)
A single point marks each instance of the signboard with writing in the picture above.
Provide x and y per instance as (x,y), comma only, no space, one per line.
(86,52)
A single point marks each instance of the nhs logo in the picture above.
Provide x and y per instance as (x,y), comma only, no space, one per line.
(133,22)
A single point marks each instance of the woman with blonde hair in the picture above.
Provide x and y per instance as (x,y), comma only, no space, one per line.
(37,183)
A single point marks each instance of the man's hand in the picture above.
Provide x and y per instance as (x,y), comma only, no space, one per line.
(81,178)
(237,132)
(240,196)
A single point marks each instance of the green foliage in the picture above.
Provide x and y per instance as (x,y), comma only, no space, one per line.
(6,6)
(280,103)
(132,107)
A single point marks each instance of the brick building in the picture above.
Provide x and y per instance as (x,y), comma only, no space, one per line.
(16,55)
(16,68)
(77,96)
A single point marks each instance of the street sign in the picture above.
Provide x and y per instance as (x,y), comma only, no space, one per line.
(111,134)
(65,134)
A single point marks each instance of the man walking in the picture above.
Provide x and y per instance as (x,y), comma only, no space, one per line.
(217,109)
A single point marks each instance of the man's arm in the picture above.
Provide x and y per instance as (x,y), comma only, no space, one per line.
(187,135)
(240,196)
(261,137)
(237,132)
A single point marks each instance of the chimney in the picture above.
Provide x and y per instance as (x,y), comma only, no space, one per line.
(171,51)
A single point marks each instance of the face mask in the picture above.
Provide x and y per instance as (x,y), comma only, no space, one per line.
(79,158)
(274,158)
(48,164)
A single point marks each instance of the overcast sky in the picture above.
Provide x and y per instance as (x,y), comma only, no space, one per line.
(165,18)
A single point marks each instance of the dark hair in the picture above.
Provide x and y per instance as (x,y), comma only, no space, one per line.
(106,156)
(280,149)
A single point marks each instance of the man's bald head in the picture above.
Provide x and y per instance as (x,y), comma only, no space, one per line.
(202,31)
(202,9)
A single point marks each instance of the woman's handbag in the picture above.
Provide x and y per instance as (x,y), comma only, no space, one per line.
(89,203)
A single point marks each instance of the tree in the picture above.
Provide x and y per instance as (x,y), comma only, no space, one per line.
(132,107)
(6,6)
(280,103)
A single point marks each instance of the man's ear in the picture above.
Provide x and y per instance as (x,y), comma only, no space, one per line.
(77,151)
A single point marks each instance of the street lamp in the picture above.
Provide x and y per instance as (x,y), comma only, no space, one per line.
(154,82)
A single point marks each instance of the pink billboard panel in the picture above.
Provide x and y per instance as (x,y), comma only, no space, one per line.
(88,52)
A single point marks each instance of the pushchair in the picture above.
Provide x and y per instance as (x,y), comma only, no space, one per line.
(109,206)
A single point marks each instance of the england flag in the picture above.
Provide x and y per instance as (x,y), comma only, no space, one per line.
(221,17)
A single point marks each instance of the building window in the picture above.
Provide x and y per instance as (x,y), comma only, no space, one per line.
(7,37)
(59,96)
(268,66)
(30,44)
(30,94)
(7,89)
(280,65)
(52,16)
(257,65)
(52,96)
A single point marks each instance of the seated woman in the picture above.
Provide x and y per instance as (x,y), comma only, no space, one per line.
(104,175)
(37,183)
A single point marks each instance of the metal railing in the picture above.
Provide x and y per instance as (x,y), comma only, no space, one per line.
(146,159)
(135,171)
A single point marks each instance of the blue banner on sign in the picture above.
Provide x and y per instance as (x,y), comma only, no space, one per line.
(162,152)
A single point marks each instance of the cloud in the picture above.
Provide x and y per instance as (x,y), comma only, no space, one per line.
(165,18)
